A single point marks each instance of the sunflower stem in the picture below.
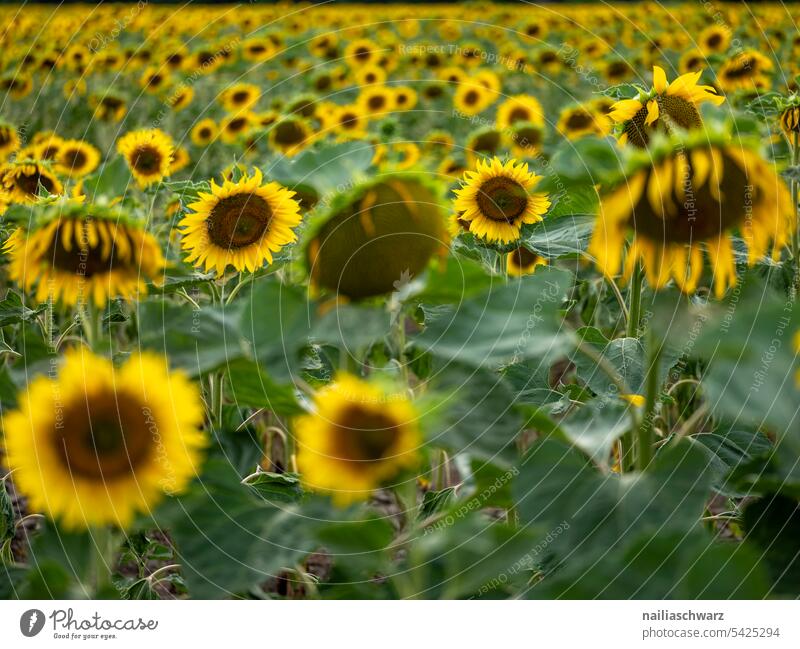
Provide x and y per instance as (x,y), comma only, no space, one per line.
(794,190)
(634,313)
(645,439)
(104,541)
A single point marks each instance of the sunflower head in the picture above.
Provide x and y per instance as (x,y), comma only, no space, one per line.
(204,132)
(667,107)
(790,121)
(148,154)
(76,253)
(25,181)
(376,234)
(522,261)
(688,198)
(290,135)
(240,224)
(577,121)
(95,445)
(498,198)
(9,140)
(358,437)
(76,158)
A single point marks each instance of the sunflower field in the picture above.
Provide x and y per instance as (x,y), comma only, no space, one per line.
(394,301)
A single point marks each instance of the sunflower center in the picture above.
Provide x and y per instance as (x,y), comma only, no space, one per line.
(524,258)
(105,435)
(30,182)
(471,98)
(74,158)
(486,143)
(364,435)
(673,111)
(289,132)
(5,136)
(240,97)
(519,114)
(376,102)
(579,120)
(82,259)
(714,40)
(146,160)
(527,137)
(502,199)
(238,221)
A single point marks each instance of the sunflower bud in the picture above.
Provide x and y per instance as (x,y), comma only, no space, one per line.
(790,120)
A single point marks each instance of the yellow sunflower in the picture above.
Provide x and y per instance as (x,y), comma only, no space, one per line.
(471,97)
(290,135)
(714,39)
(496,199)
(577,121)
(24,181)
(748,71)
(148,154)
(522,261)
(180,159)
(95,445)
(204,132)
(377,100)
(180,98)
(235,126)
(665,107)
(358,437)
(688,199)
(240,96)
(76,158)
(9,140)
(77,253)
(790,121)
(239,224)
(520,109)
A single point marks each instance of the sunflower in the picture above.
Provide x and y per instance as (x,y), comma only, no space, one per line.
(692,61)
(471,98)
(349,121)
(95,445)
(370,75)
(239,224)
(290,135)
(747,71)
(377,100)
(714,39)
(75,253)
(204,132)
(522,261)
(180,159)
(148,154)
(578,121)
(665,107)
(451,167)
(527,139)
(790,121)
(496,199)
(23,181)
(358,437)
(361,52)
(109,108)
(483,143)
(235,126)
(239,96)
(9,140)
(16,85)
(180,98)
(617,70)
(257,50)
(45,148)
(405,98)
(76,158)
(518,109)
(154,80)
(686,199)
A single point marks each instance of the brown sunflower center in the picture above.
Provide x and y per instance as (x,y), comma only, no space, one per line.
(240,97)
(363,435)
(527,137)
(579,120)
(289,132)
(82,259)
(104,436)
(673,111)
(238,221)
(74,158)
(524,258)
(376,102)
(29,183)
(5,136)
(471,97)
(348,120)
(714,40)
(487,142)
(519,114)
(147,160)
(502,199)
(690,212)
(205,133)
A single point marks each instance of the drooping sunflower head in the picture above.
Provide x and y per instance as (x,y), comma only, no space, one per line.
(523,261)
(76,253)
(687,199)
(148,154)
(240,224)
(26,181)
(498,198)
(667,107)
(77,158)
(358,437)
(375,235)
(790,120)
(96,444)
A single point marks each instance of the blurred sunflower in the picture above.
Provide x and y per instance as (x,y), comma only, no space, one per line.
(109,108)
(148,154)
(76,158)
(239,96)
(746,71)
(471,98)
(686,199)
(290,135)
(518,109)
(522,261)
(180,159)
(664,107)
(714,39)
(23,181)
(180,98)
(358,437)
(239,224)
(577,121)
(9,140)
(77,253)
(204,132)
(377,100)
(233,127)
(95,445)
(790,121)
(496,199)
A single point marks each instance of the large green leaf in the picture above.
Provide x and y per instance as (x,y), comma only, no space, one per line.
(251,387)
(507,324)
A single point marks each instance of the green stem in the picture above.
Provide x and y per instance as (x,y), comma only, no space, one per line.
(645,439)
(104,543)
(634,313)
(794,189)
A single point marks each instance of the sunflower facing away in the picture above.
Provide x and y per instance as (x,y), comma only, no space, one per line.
(663,108)
(496,199)
(689,199)
(239,224)
(78,253)
(96,444)
(148,154)
(357,438)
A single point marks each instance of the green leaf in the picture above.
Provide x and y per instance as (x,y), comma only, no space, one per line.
(12,311)
(772,527)
(275,487)
(195,340)
(351,327)
(110,180)
(556,237)
(251,387)
(507,324)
